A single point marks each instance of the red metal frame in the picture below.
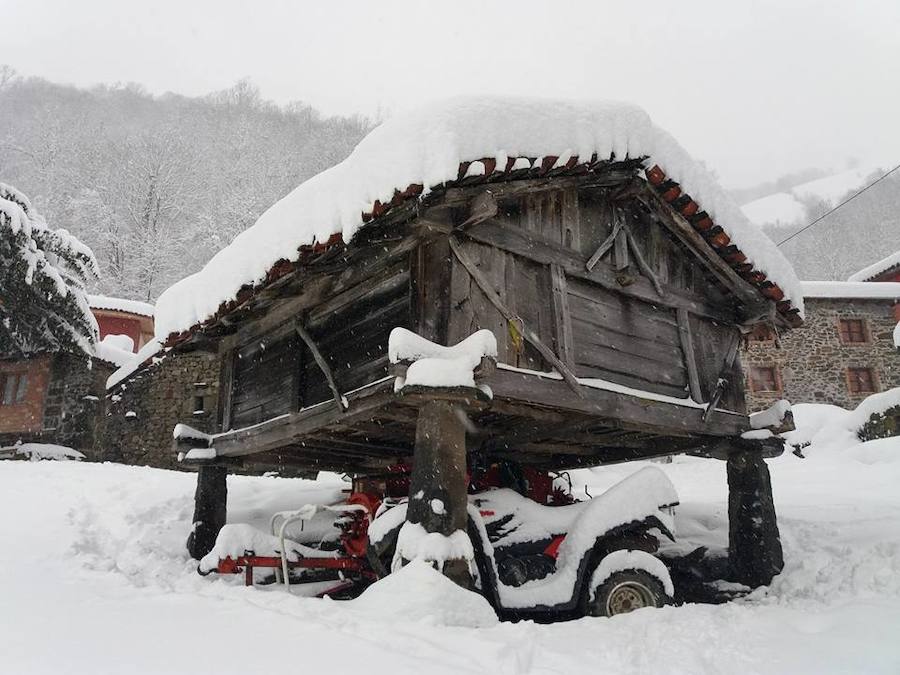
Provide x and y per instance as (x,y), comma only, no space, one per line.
(369,492)
(246,564)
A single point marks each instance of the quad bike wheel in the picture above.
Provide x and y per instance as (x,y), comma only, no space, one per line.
(625,592)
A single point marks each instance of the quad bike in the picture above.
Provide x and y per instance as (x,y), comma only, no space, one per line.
(538,553)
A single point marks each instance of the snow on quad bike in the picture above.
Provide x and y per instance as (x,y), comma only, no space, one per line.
(586,558)
(531,560)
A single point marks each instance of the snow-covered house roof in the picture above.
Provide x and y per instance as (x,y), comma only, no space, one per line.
(121,305)
(878,268)
(851,289)
(147,354)
(484,138)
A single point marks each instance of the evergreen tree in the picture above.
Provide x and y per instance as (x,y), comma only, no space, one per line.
(43,273)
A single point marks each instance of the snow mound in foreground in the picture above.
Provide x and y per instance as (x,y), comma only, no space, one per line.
(419,593)
(832,428)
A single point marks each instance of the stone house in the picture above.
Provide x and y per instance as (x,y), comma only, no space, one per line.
(843,352)
(148,397)
(58,397)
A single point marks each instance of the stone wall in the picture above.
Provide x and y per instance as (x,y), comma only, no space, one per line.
(143,410)
(812,361)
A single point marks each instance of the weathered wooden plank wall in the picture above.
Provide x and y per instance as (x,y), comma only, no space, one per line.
(599,332)
(265,375)
(276,373)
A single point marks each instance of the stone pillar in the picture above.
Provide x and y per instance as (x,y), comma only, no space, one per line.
(438,486)
(754,545)
(210,502)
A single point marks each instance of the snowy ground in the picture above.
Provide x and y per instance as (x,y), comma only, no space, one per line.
(95,580)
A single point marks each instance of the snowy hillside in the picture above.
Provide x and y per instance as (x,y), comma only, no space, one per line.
(785,208)
(110,539)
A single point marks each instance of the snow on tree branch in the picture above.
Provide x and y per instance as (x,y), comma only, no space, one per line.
(43,274)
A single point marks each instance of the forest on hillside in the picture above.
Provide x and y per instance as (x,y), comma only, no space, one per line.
(854,236)
(155,185)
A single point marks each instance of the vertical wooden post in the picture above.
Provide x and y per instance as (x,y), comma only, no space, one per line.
(687,348)
(438,488)
(210,505)
(562,320)
(754,544)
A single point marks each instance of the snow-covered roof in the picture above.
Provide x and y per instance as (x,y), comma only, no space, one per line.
(873,270)
(115,349)
(411,154)
(121,305)
(146,353)
(851,289)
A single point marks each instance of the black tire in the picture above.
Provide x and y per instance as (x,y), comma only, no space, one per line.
(625,592)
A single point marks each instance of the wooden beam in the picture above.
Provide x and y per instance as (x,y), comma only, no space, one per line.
(629,411)
(507,314)
(322,363)
(537,248)
(604,246)
(562,320)
(226,385)
(621,251)
(642,264)
(285,429)
(512,189)
(318,283)
(721,384)
(687,347)
(484,206)
(686,233)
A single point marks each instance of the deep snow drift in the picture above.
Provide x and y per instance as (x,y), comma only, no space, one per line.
(96,580)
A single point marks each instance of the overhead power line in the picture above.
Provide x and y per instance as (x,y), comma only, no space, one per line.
(830,211)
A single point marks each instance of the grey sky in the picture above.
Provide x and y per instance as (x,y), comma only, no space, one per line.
(755,89)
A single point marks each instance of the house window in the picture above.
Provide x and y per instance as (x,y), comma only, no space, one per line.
(199,404)
(764,378)
(13,387)
(853,331)
(860,381)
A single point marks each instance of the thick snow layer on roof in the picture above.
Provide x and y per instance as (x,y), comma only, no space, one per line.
(851,289)
(116,349)
(876,268)
(426,147)
(121,305)
(148,351)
